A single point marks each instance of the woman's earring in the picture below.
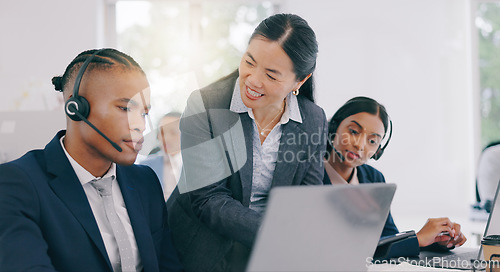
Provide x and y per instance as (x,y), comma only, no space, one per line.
(295,92)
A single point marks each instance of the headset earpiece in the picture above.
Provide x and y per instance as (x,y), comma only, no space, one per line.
(79,104)
(380,150)
(378,153)
(77,108)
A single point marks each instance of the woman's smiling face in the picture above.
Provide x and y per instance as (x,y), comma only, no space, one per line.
(266,75)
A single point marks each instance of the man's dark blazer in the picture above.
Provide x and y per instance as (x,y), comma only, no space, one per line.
(46,222)
(206,222)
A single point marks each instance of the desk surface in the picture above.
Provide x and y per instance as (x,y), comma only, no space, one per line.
(405,267)
(418,265)
(472,229)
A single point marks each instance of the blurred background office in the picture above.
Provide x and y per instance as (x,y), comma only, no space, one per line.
(166,158)
(430,62)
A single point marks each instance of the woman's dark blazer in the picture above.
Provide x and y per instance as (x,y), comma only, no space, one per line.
(368,174)
(210,208)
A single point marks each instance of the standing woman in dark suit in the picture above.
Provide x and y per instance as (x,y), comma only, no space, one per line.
(255,129)
(355,135)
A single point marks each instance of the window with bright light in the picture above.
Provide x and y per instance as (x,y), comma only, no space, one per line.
(488,30)
(185,45)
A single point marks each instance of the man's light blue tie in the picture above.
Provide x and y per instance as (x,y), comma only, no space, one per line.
(103,186)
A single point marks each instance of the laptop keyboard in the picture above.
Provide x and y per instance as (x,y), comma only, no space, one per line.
(461,261)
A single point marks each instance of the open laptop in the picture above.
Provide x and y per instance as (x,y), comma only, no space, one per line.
(468,259)
(321,228)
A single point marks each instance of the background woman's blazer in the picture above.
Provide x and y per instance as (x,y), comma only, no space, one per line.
(206,221)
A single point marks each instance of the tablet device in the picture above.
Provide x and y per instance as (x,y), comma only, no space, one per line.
(396,237)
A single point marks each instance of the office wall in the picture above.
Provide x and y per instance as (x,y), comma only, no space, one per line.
(413,57)
(410,55)
(39,38)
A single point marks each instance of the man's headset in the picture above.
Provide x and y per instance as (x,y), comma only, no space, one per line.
(334,125)
(78,108)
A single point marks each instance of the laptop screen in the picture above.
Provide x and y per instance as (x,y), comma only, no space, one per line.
(321,228)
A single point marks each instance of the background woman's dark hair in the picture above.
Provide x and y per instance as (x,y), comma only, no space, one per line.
(354,106)
(104,60)
(298,41)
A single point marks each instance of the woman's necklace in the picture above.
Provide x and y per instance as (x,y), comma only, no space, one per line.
(262,130)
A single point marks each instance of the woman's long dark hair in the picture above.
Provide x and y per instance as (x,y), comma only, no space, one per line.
(298,41)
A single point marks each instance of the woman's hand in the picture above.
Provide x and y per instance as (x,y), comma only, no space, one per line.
(441,231)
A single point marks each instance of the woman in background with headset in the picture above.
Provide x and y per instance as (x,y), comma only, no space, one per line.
(355,134)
